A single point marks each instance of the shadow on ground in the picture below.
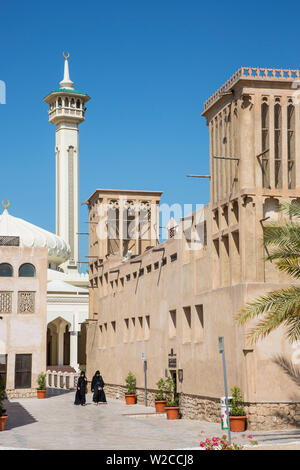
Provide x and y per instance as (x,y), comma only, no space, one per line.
(17,415)
(277,436)
(54,392)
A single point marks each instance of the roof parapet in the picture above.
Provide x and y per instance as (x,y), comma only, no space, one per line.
(252,73)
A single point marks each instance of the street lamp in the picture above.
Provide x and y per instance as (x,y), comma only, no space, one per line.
(222,351)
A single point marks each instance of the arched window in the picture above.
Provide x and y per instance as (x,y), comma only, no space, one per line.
(78,104)
(6,270)
(277,145)
(66,102)
(27,270)
(271,209)
(59,102)
(291,145)
(265,144)
(72,103)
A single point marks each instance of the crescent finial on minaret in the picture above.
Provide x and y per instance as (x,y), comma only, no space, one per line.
(5,204)
(66,82)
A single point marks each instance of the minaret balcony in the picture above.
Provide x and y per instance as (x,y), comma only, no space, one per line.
(58,113)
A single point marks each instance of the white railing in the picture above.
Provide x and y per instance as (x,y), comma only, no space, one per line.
(62,380)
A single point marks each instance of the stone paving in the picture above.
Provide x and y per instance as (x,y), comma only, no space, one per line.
(55,423)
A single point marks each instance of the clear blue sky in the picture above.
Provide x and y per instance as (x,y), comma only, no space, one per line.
(148,66)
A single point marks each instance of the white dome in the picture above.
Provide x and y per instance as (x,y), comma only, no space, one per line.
(33,236)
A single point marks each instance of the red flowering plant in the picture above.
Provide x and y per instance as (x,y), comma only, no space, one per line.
(222,443)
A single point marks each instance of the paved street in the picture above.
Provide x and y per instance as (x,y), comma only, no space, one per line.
(55,423)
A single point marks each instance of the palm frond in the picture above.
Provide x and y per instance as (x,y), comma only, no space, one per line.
(290,266)
(292,324)
(293,210)
(288,367)
(286,299)
(279,308)
(282,234)
(276,309)
(283,253)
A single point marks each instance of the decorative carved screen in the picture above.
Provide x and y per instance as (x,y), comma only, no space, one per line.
(26,302)
(6,240)
(5,302)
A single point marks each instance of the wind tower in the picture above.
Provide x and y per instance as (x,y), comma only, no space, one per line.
(67,111)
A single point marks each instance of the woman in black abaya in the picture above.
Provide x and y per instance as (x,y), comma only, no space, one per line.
(97,388)
(81,390)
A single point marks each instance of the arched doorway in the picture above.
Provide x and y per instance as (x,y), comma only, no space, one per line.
(82,345)
(58,342)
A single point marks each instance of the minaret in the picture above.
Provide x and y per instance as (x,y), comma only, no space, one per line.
(66,111)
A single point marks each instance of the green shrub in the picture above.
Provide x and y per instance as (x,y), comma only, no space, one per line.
(237,402)
(2,397)
(41,381)
(160,394)
(170,392)
(130,383)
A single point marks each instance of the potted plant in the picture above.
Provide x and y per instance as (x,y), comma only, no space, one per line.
(41,391)
(160,400)
(237,417)
(3,415)
(172,407)
(130,395)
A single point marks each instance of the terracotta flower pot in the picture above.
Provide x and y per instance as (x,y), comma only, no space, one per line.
(41,393)
(237,423)
(2,422)
(130,398)
(160,406)
(172,412)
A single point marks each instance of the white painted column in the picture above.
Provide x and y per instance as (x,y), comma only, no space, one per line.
(74,350)
(60,345)
(53,347)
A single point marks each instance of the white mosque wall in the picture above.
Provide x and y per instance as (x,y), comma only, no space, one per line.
(23,323)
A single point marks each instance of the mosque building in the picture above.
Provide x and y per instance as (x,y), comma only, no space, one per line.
(66,289)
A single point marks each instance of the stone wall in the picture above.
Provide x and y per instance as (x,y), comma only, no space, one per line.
(21,393)
(202,408)
(117,392)
(269,415)
(260,416)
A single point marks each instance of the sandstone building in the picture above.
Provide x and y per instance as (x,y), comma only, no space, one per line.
(173,300)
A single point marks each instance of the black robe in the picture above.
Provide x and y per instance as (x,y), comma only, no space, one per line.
(98,383)
(81,389)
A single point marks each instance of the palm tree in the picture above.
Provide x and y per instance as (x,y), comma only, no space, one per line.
(280,307)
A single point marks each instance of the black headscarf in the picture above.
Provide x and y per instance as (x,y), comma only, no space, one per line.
(81,377)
